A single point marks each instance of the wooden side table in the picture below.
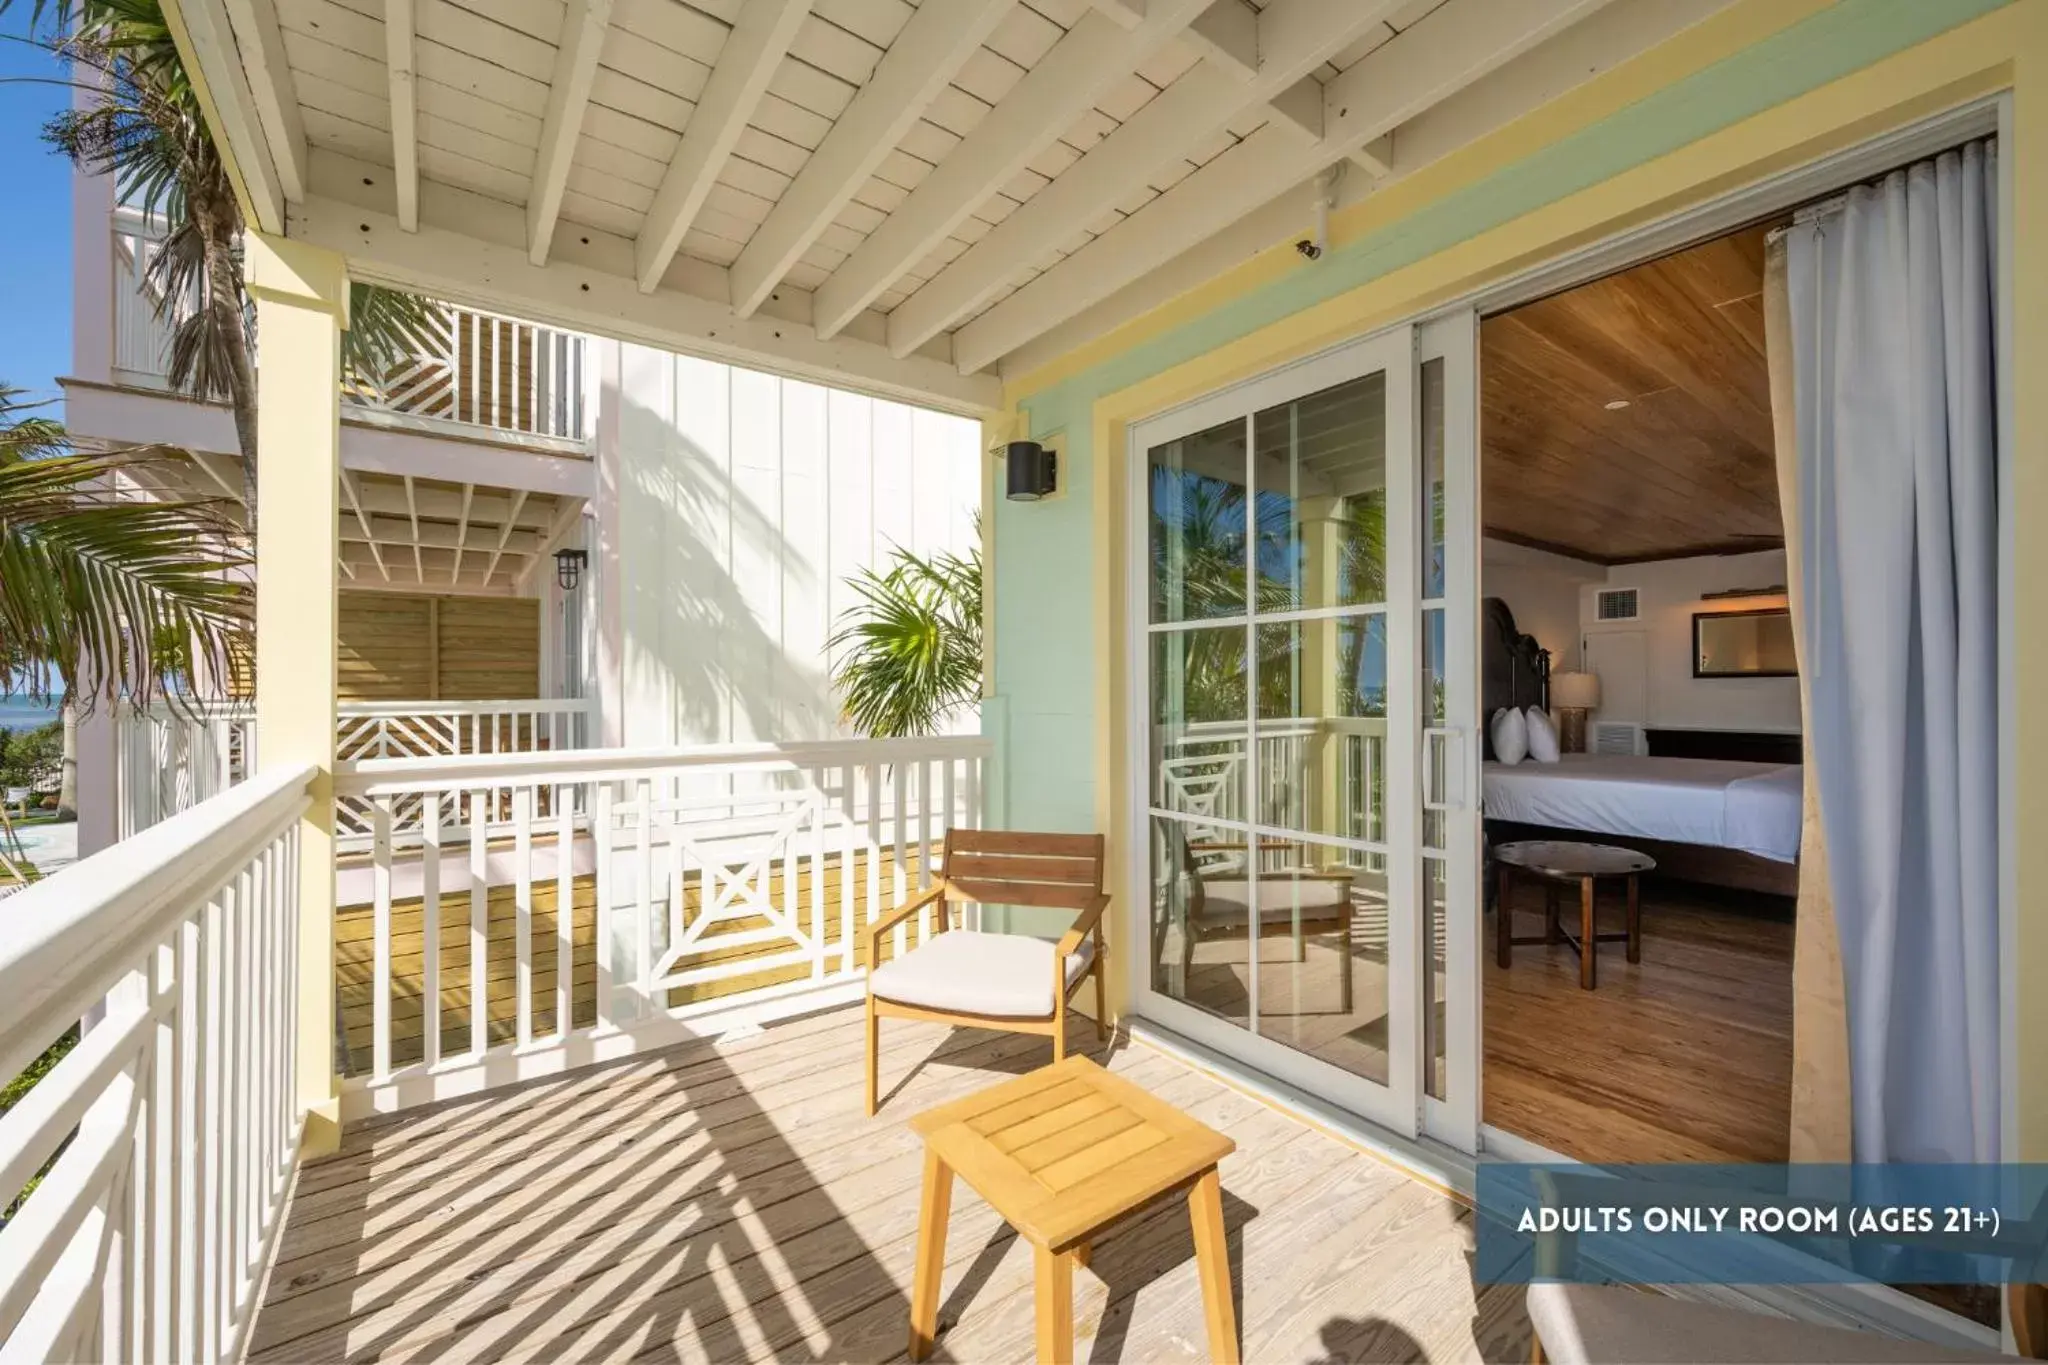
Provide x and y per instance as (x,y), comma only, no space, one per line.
(1557,861)
(1061,1154)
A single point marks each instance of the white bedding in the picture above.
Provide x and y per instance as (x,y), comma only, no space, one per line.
(1753,807)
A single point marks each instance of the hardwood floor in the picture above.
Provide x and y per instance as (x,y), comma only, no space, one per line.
(729,1201)
(1686,1056)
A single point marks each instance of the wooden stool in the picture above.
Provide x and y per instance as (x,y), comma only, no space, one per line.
(1061,1154)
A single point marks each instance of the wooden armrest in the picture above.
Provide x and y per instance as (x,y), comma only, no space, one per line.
(1070,942)
(901,913)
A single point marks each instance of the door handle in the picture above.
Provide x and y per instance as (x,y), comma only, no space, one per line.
(1443,768)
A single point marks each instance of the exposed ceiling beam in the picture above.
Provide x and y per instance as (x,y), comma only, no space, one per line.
(1375,158)
(1294,37)
(471,251)
(491,568)
(932,46)
(1581,53)
(438,535)
(432,576)
(752,51)
(405,140)
(382,499)
(224,470)
(1299,108)
(1122,13)
(1449,48)
(1084,66)
(583,26)
(270,82)
(412,508)
(1227,33)
(462,531)
(355,502)
(205,39)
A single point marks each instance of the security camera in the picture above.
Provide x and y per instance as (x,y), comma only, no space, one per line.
(1308,249)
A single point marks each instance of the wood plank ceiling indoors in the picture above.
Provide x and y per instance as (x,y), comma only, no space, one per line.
(907,200)
(1630,418)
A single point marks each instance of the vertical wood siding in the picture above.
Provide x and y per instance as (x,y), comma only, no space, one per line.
(746,502)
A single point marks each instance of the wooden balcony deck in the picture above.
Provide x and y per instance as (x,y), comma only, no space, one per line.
(730,1202)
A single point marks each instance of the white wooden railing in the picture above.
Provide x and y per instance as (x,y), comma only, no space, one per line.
(171,756)
(702,882)
(147,1170)
(477,370)
(1323,773)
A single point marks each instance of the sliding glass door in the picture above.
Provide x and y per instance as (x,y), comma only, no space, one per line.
(1295,722)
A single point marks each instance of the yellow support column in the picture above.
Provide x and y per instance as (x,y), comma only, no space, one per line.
(301,295)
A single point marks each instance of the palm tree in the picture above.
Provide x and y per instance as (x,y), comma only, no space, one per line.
(144,127)
(913,643)
(104,594)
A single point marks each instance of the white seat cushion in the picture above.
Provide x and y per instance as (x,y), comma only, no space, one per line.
(1224,898)
(1008,976)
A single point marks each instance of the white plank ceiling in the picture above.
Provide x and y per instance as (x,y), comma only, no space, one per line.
(890,196)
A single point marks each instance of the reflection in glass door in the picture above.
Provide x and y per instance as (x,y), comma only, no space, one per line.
(1282,719)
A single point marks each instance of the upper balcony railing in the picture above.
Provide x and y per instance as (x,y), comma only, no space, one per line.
(169,758)
(481,374)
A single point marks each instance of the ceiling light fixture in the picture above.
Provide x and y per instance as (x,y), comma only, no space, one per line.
(1617,405)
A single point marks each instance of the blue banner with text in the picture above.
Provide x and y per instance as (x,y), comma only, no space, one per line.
(1762,1224)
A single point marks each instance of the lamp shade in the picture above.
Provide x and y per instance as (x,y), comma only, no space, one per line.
(1577,691)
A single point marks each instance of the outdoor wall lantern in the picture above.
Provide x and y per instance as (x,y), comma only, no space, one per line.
(569,568)
(1033,472)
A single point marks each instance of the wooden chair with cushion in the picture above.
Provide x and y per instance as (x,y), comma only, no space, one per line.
(1011,982)
(1293,903)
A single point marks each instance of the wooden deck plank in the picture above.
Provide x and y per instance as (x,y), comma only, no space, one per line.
(724,1201)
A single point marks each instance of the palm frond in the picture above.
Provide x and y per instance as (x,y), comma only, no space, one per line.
(913,643)
(101,592)
(387,327)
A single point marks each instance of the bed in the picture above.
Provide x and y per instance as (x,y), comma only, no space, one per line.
(1718,807)
(1752,808)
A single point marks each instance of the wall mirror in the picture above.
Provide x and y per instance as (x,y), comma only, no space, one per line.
(1743,644)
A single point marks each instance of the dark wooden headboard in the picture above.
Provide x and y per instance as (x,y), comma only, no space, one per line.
(1514,670)
(1747,746)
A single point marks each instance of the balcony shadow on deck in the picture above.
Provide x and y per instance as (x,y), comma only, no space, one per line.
(729,1201)
(662,1200)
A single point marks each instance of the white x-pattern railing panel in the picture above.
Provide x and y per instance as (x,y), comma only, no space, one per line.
(170,756)
(697,881)
(1305,763)
(147,1170)
(476,371)
(482,369)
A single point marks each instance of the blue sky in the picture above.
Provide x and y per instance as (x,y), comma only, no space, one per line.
(35,227)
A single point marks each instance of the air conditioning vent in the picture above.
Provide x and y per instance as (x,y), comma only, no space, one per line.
(1618,737)
(1615,604)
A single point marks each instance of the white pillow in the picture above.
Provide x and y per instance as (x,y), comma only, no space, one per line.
(1542,736)
(1510,736)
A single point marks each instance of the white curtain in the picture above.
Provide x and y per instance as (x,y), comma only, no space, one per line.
(1891,299)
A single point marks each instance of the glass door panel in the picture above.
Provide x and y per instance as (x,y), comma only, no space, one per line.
(1282,721)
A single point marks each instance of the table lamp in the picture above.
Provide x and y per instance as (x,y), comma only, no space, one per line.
(1571,696)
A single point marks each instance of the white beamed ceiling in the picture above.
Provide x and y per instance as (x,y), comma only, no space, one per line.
(533,138)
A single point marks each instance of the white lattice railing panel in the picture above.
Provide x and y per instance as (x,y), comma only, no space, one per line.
(171,756)
(632,891)
(473,369)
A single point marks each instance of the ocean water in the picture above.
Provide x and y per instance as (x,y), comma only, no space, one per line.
(23,713)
